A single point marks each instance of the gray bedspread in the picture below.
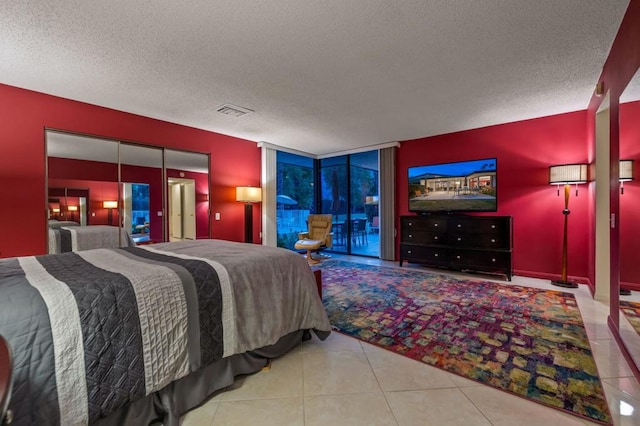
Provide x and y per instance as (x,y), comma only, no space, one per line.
(76,238)
(95,330)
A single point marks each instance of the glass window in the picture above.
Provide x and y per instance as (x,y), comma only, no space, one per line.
(295,196)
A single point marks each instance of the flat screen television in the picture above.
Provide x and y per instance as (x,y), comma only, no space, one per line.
(463,186)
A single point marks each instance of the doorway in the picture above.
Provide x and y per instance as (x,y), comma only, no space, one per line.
(182,209)
(349,191)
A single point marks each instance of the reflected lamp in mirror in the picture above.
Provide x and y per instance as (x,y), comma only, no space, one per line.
(566,174)
(248,195)
(72,212)
(626,173)
(56,209)
(110,205)
(371,200)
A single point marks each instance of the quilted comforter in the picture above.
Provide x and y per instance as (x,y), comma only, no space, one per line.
(95,330)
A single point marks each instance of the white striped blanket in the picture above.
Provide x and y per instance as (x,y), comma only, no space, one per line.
(95,330)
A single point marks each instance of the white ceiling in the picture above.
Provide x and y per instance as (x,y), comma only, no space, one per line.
(321,76)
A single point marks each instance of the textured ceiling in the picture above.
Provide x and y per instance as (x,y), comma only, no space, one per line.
(321,76)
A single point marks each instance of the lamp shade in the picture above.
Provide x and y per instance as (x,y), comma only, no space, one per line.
(110,204)
(72,208)
(55,210)
(568,173)
(371,199)
(626,170)
(248,194)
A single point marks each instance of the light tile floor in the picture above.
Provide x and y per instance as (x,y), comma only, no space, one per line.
(343,381)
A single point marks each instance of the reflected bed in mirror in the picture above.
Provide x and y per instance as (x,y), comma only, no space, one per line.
(64,239)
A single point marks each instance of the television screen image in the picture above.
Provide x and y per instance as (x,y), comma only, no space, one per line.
(465,186)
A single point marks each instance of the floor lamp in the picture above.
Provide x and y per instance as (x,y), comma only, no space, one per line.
(110,205)
(566,174)
(72,210)
(248,195)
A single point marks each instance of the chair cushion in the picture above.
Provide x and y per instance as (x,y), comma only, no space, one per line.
(307,244)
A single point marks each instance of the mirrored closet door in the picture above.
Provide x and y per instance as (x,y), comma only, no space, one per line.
(100,181)
(629,113)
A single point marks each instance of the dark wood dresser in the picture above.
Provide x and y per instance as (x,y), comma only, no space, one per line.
(470,243)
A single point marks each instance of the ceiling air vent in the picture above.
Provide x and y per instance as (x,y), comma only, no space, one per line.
(233,110)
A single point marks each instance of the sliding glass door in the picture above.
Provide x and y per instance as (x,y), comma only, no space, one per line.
(334,180)
(349,188)
(364,203)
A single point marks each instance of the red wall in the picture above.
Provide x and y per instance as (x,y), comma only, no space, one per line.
(524,150)
(25,115)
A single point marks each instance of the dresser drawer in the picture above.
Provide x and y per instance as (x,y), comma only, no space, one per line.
(489,241)
(422,236)
(479,225)
(434,224)
(423,254)
(481,260)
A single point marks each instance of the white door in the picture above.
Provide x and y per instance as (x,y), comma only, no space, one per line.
(182,209)
(189,209)
(175,211)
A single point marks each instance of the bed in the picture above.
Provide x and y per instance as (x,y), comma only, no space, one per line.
(64,238)
(56,224)
(141,334)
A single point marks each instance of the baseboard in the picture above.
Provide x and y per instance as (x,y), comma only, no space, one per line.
(550,277)
(630,286)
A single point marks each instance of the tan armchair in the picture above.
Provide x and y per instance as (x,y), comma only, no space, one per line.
(319,229)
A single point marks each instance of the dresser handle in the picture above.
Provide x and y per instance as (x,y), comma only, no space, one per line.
(435,224)
(435,238)
(409,251)
(410,223)
(435,255)
(493,240)
(493,227)
(458,257)
(493,260)
(459,239)
(459,226)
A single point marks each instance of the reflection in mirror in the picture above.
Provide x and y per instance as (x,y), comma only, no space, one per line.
(187,195)
(94,181)
(82,172)
(141,192)
(83,163)
(629,117)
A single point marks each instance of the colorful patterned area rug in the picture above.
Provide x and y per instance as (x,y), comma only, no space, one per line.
(525,341)
(631,311)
